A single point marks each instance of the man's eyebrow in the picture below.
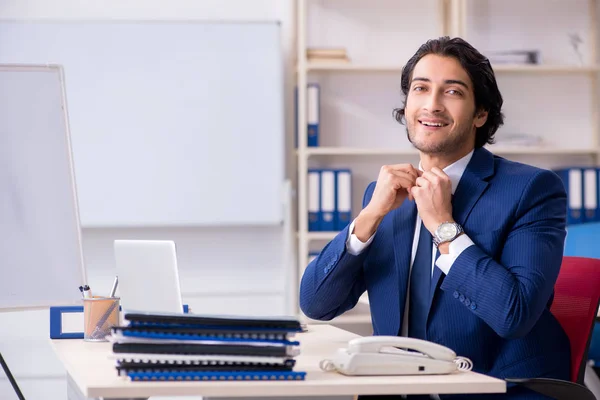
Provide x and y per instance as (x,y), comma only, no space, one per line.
(418,78)
(447,81)
(456,82)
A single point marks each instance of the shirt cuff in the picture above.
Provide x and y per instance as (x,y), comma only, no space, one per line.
(353,244)
(456,247)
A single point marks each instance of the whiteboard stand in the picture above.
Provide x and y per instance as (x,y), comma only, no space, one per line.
(10,377)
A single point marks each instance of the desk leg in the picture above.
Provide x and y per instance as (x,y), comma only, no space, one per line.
(73,392)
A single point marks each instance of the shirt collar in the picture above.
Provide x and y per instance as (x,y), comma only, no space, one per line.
(456,169)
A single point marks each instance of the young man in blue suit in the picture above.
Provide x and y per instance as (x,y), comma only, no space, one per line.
(463,249)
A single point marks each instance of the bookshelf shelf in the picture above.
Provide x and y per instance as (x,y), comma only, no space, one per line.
(357,151)
(357,316)
(323,66)
(345,319)
(496,149)
(551,69)
(535,150)
(499,68)
(320,235)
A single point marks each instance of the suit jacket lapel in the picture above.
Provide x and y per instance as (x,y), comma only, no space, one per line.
(472,184)
(470,188)
(405,218)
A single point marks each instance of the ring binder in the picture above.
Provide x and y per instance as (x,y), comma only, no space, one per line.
(197,338)
(59,331)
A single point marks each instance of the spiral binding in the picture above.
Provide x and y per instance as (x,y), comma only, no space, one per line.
(463,363)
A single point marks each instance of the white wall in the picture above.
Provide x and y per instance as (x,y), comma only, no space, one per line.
(223,270)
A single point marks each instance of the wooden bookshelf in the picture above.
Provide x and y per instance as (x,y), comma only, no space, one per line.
(452,19)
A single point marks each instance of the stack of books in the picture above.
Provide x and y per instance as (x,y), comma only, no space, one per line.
(327,55)
(187,347)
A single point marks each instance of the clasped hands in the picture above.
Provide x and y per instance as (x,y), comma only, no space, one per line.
(431,191)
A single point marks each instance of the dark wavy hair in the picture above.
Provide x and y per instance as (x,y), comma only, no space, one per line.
(487,94)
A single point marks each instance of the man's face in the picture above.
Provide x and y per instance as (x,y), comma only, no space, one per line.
(440,107)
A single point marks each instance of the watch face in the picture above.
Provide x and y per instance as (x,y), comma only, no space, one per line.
(447,231)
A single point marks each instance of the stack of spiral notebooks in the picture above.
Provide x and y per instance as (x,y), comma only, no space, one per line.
(188,347)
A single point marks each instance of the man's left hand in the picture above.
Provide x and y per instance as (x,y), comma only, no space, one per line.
(433,195)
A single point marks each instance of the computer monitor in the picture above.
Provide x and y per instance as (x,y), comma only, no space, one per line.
(148,275)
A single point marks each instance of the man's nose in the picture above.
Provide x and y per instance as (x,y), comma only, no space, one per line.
(434,103)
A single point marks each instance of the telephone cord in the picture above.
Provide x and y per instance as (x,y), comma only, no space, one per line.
(463,363)
(327,365)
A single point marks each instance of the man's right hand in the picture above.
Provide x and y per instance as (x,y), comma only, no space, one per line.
(392,188)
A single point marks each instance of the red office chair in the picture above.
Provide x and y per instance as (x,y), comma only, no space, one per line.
(576,299)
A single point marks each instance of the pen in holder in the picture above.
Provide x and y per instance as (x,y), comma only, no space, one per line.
(99,315)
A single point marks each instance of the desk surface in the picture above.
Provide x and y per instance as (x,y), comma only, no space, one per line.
(95,375)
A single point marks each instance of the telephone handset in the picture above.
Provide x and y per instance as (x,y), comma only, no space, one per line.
(393,355)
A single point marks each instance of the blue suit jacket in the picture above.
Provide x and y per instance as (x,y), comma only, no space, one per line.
(493,306)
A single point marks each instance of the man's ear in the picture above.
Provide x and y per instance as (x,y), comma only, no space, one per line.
(480,118)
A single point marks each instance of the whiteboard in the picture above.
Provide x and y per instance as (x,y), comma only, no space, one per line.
(40,244)
(172,123)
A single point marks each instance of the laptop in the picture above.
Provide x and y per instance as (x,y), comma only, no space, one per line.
(148,276)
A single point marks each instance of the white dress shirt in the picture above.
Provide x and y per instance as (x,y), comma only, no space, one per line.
(444,262)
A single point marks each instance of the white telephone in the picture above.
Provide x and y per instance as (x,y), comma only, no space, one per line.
(393,355)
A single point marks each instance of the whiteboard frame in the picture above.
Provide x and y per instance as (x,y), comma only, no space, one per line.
(60,70)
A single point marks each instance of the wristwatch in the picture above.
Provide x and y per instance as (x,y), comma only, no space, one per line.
(446,232)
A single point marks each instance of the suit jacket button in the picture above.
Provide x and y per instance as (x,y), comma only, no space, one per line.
(462,298)
(467,302)
(473,305)
(455,294)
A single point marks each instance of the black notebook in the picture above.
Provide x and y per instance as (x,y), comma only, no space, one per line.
(205,349)
(289,324)
(205,366)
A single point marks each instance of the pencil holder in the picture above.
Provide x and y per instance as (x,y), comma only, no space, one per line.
(99,315)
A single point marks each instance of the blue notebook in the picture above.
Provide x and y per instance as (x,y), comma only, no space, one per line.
(197,338)
(284,324)
(216,376)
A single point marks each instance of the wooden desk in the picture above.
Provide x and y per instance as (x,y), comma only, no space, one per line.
(91,374)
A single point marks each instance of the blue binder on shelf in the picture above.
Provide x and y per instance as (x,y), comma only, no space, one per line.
(343,188)
(328,200)
(66,322)
(590,195)
(573,180)
(314,200)
(313,115)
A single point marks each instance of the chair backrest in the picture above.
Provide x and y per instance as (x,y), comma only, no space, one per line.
(575,304)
